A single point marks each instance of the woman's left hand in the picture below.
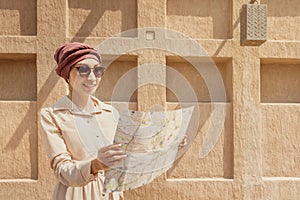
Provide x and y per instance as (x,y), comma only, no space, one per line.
(183,143)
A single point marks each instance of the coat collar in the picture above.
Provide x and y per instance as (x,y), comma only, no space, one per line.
(66,104)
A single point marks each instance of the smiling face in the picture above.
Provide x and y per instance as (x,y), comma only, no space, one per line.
(86,83)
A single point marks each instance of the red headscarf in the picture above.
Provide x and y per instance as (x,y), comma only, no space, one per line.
(69,54)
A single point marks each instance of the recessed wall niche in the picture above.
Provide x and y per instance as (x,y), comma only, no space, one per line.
(219,162)
(196,81)
(200,19)
(280,140)
(19,141)
(19,18)
(279,81)
(280,108)
(283,19)
(18,77)
(18,125)
(101,18)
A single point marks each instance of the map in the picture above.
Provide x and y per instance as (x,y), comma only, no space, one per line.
(150,140)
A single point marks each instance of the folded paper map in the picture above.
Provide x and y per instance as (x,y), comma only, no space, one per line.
(150,140)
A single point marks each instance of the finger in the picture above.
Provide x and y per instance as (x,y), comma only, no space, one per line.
(114,160)
(117,157)
(111,153)
(110,147)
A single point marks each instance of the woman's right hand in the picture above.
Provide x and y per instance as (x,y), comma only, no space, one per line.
(111,155)
(107,157)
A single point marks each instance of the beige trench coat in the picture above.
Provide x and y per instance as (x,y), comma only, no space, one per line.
(68,151)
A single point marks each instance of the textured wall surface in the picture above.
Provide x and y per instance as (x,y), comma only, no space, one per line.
(256,156)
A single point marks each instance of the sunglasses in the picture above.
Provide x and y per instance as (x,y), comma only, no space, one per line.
(84,71)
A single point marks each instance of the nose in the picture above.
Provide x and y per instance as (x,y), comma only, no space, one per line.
(91,76)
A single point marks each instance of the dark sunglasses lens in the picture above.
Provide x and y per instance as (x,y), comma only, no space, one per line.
(98,71)
(84,70)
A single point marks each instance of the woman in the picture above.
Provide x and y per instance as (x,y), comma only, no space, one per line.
(80,172)
(80,176)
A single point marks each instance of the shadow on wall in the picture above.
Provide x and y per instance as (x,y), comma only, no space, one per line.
(19,18)
(278,8)
(90,25)
(24,126)
(24,14)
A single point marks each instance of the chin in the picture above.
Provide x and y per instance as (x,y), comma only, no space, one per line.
(86,93)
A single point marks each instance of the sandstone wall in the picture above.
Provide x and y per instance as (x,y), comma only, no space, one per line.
(256,156)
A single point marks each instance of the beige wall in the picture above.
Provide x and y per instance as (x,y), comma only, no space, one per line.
(256,156)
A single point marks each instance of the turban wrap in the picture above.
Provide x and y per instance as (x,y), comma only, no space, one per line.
(69,54)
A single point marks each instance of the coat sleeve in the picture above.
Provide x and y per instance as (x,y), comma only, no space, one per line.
(68,171)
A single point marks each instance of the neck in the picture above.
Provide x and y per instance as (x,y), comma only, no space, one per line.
(82,101)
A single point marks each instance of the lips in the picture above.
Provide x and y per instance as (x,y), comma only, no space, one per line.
(89,85)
